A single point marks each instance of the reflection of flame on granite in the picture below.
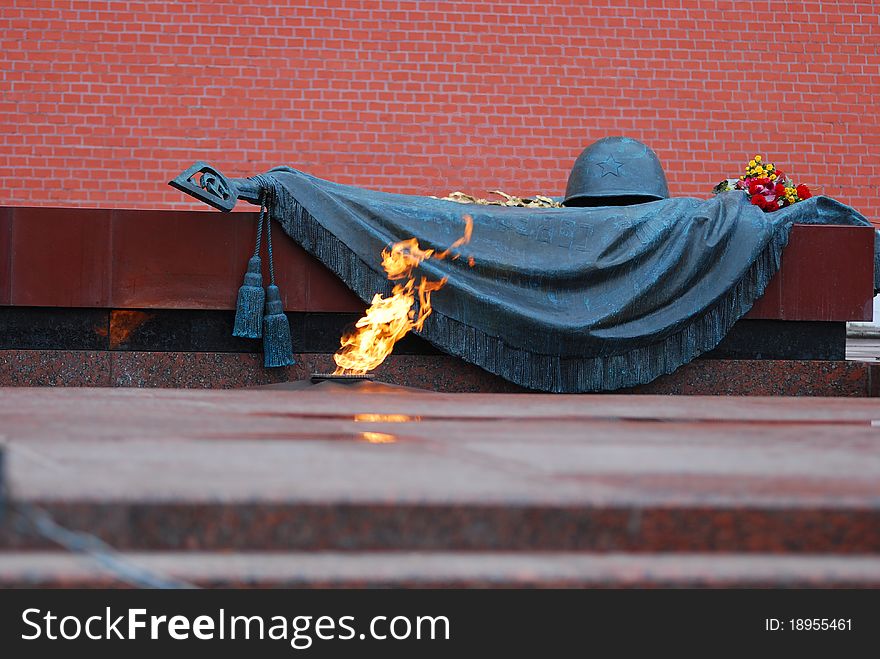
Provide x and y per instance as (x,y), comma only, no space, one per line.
(378,438)
(123,323)
(385,418)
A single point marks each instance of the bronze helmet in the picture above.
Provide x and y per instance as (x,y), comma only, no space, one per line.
(616,171)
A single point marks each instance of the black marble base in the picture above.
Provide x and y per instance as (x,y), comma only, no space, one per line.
(168,330)
(36,328)
(783,339)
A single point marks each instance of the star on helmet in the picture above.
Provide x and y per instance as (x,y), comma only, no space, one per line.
(616,171)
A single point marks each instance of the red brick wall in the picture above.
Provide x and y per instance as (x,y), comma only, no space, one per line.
(102,102)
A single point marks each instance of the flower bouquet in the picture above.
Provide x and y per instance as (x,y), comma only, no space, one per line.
(768,187)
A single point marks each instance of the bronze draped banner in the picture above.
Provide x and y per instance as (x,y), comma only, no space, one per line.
(559,299)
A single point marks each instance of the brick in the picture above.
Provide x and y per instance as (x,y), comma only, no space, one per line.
(143,94)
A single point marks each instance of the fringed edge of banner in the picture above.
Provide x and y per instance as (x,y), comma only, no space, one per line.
(538,371)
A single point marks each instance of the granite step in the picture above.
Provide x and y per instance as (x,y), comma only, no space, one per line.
(44,367)
(383,468)
(639,527)
(444,570)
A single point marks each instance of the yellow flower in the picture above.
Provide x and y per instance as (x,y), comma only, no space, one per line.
(757,158)
(772,177)
(751,163)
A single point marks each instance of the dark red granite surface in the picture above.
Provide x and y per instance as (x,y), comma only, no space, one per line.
(828,275)
(195,260)
(61,257)
(5,255)
(433,372)
(763,377)
(353,469)
(54,368)
(370,525)
(68,257)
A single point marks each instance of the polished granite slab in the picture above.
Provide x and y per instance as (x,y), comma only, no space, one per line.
(379,467)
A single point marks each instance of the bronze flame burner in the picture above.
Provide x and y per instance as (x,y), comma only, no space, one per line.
(330,377)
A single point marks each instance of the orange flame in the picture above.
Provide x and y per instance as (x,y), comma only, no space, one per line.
(378,437)
(389,319)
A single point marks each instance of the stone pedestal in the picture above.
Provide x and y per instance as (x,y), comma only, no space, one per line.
(145,298)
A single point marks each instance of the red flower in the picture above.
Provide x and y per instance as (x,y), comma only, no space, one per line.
(759,201)
(759,186)
(779,189)
(772,206)
(803,191)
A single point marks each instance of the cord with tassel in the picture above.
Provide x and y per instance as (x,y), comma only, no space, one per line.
(251,296)
(277,344)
